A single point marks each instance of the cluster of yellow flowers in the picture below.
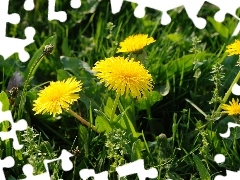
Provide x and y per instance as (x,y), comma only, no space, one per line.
(234,48)
(234,108)
(125,76)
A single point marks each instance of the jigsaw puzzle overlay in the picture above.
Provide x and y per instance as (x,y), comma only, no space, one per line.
(136,167)
(192,8)
(219,158)
(13,45)
(66,164)
(9,46)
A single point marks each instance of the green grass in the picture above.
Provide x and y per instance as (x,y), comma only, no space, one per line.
(168,130)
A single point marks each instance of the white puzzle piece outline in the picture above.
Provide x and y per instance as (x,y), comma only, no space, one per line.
(192,9)
(137,167)
(87,173)
(8,45)
(220,158)
(20,125)
(7,162)
(66,165)
(29,5)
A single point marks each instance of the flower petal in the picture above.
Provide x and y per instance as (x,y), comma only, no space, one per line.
(234,48)
(57,96)
(125,76)
(135,43)
(233,108)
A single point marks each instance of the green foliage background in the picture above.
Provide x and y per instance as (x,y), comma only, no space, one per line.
(168,133)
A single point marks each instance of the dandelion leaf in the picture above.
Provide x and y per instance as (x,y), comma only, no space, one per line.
(4,100)
(203,172)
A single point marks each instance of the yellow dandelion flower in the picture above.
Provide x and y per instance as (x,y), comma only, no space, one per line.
(233,108)
(135,43)
(234,48)
(57,96)
(124,76)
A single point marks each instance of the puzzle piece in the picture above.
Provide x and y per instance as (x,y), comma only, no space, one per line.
(230,125)
(237,30)
(12,18)
(137,167)
(236,87)
(20,125)
(87,173)
(52,14)
(13,45)
(9,46)
(28,171)
(192,9)
(219,158)
(229,175)
(226,7)
(29,5)
(66,164)
(75,4)
(61,15)
(5,17)
(7,162)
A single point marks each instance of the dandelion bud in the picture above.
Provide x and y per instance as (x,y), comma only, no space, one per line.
(48,49)
(162,140)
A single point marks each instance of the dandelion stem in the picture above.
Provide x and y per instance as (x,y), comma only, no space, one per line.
(148,107)
(26,83)
(46,51)
(83,121)
(114,107)
(229,91)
